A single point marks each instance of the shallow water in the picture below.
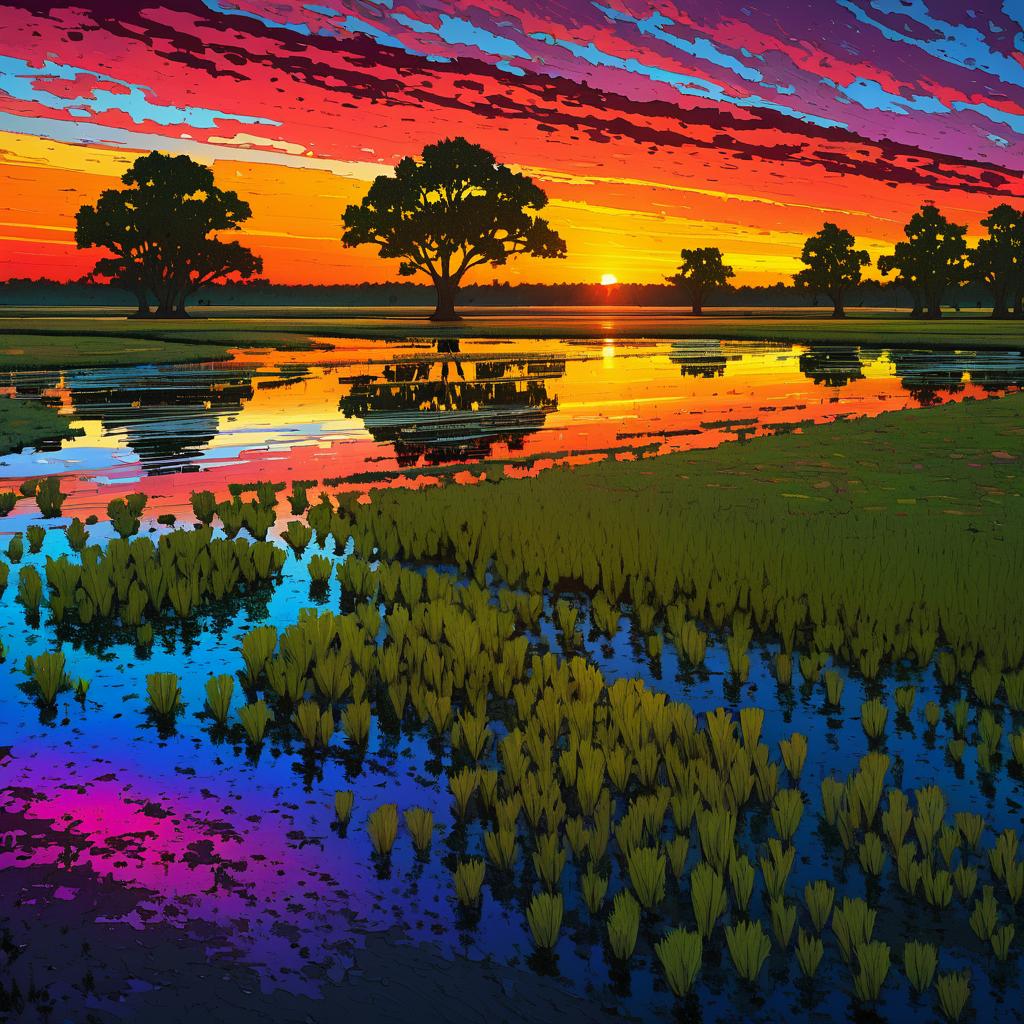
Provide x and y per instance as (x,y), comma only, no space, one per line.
(241,851)
(356,407)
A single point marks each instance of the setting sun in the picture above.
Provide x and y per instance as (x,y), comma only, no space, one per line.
(609,279)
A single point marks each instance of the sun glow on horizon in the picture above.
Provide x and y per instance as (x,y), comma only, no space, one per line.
(609,279)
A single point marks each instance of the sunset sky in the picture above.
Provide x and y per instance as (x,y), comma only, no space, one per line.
(651,125)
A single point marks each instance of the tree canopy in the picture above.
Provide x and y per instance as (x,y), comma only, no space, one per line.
(700,271)
(998,259)
(931,260)
(158,231)
(831,264)
(454,209)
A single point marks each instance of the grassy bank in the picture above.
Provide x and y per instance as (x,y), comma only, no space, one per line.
(78,340)
(23,424)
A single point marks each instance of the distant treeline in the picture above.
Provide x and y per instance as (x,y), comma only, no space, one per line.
(260,292)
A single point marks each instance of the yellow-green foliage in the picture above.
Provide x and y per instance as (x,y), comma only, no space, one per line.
(748,948)
(47,671)
(873,967)
(819,897)
(680,953)
(164,692)
(343,801)
(623,925)
(809,951)
(544,916)
(953,991)
(919,961)
(382,826)
(420,823)
(254,718)
(469,879)
(647,875)
(707,893)
(219,690)
(853,923)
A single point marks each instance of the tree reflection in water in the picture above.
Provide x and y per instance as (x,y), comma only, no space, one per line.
(458,409)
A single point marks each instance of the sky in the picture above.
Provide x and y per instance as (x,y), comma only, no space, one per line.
(652,126)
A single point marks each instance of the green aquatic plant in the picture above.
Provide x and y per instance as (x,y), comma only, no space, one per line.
(748,948)
(819,897)
(680,953)
(502,848)
(219,691)
(787,810)
(544,917)
(623,925)
(124,514)
(965,878)
(873,716)
(463,785)
(49,497)
(794,754)
(594,885)
(315,727)
(1001,940)
(931,808)
(936,885)
(953,991)
(904,696)
(834,686)
(873,964)
(48,673)
(469,879)
(741,878)
(707,894)
(871,854)
(204,506)
(852,922)
(784,669)
(775,868)
(355,722)
(646,868)
(985,914)
(382,826)
(920,959)
(985,680)
(77,535)
(343,802)
(549,860)
(35,535)
(320,569)
(255,718)
(809,951)
(8,499)
(163,692)
(30,589)
(897,819)
(783,917)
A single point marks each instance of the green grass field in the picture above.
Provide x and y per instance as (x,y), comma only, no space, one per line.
(76,339)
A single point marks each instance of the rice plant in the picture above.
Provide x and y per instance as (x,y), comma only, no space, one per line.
(953,991)
(382,826)
(783,916)
(355,722)
(904,696)
(469,879)
(315,727)
(30,589)
(320,568)
(48,674)
(49,497)
(623,925)
(834,686)
(794,754)
(544,917)
(1001,940)
(748,948)
(35,535)
(707,894)
(873,968)
(164,694)
(852,923)
(819,897)
(255,718)
(873,716)
(549,860)
(8,499)
(920,960)
(680,953)
(809,951)
(741,879)
(219,691)
(593,886)
(787,810)
(343,801)
(646,868)
(204,506)
(871,855)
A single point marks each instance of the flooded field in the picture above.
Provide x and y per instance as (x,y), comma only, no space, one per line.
(372,408)
(413,656)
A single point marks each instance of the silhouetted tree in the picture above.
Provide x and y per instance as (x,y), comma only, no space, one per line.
(930,261)
(701,270)
(998,260)
(453,210)
(159,232)
(831,265)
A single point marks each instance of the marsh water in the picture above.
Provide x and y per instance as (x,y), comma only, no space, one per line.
(370,410)
(109,819)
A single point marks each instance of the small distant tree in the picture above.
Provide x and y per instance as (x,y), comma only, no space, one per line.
(454,209)
(930,261)
(701,271)
(159,232)
(832,265)
(998,260)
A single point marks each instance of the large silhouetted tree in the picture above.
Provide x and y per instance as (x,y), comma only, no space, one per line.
(700,271)
(454,209)
(831,265)
(930,261)
(159,232)
(998,259)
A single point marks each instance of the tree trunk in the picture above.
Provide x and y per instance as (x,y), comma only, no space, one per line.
(446,292)
(143,309)
(697,309)
(1018,306)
